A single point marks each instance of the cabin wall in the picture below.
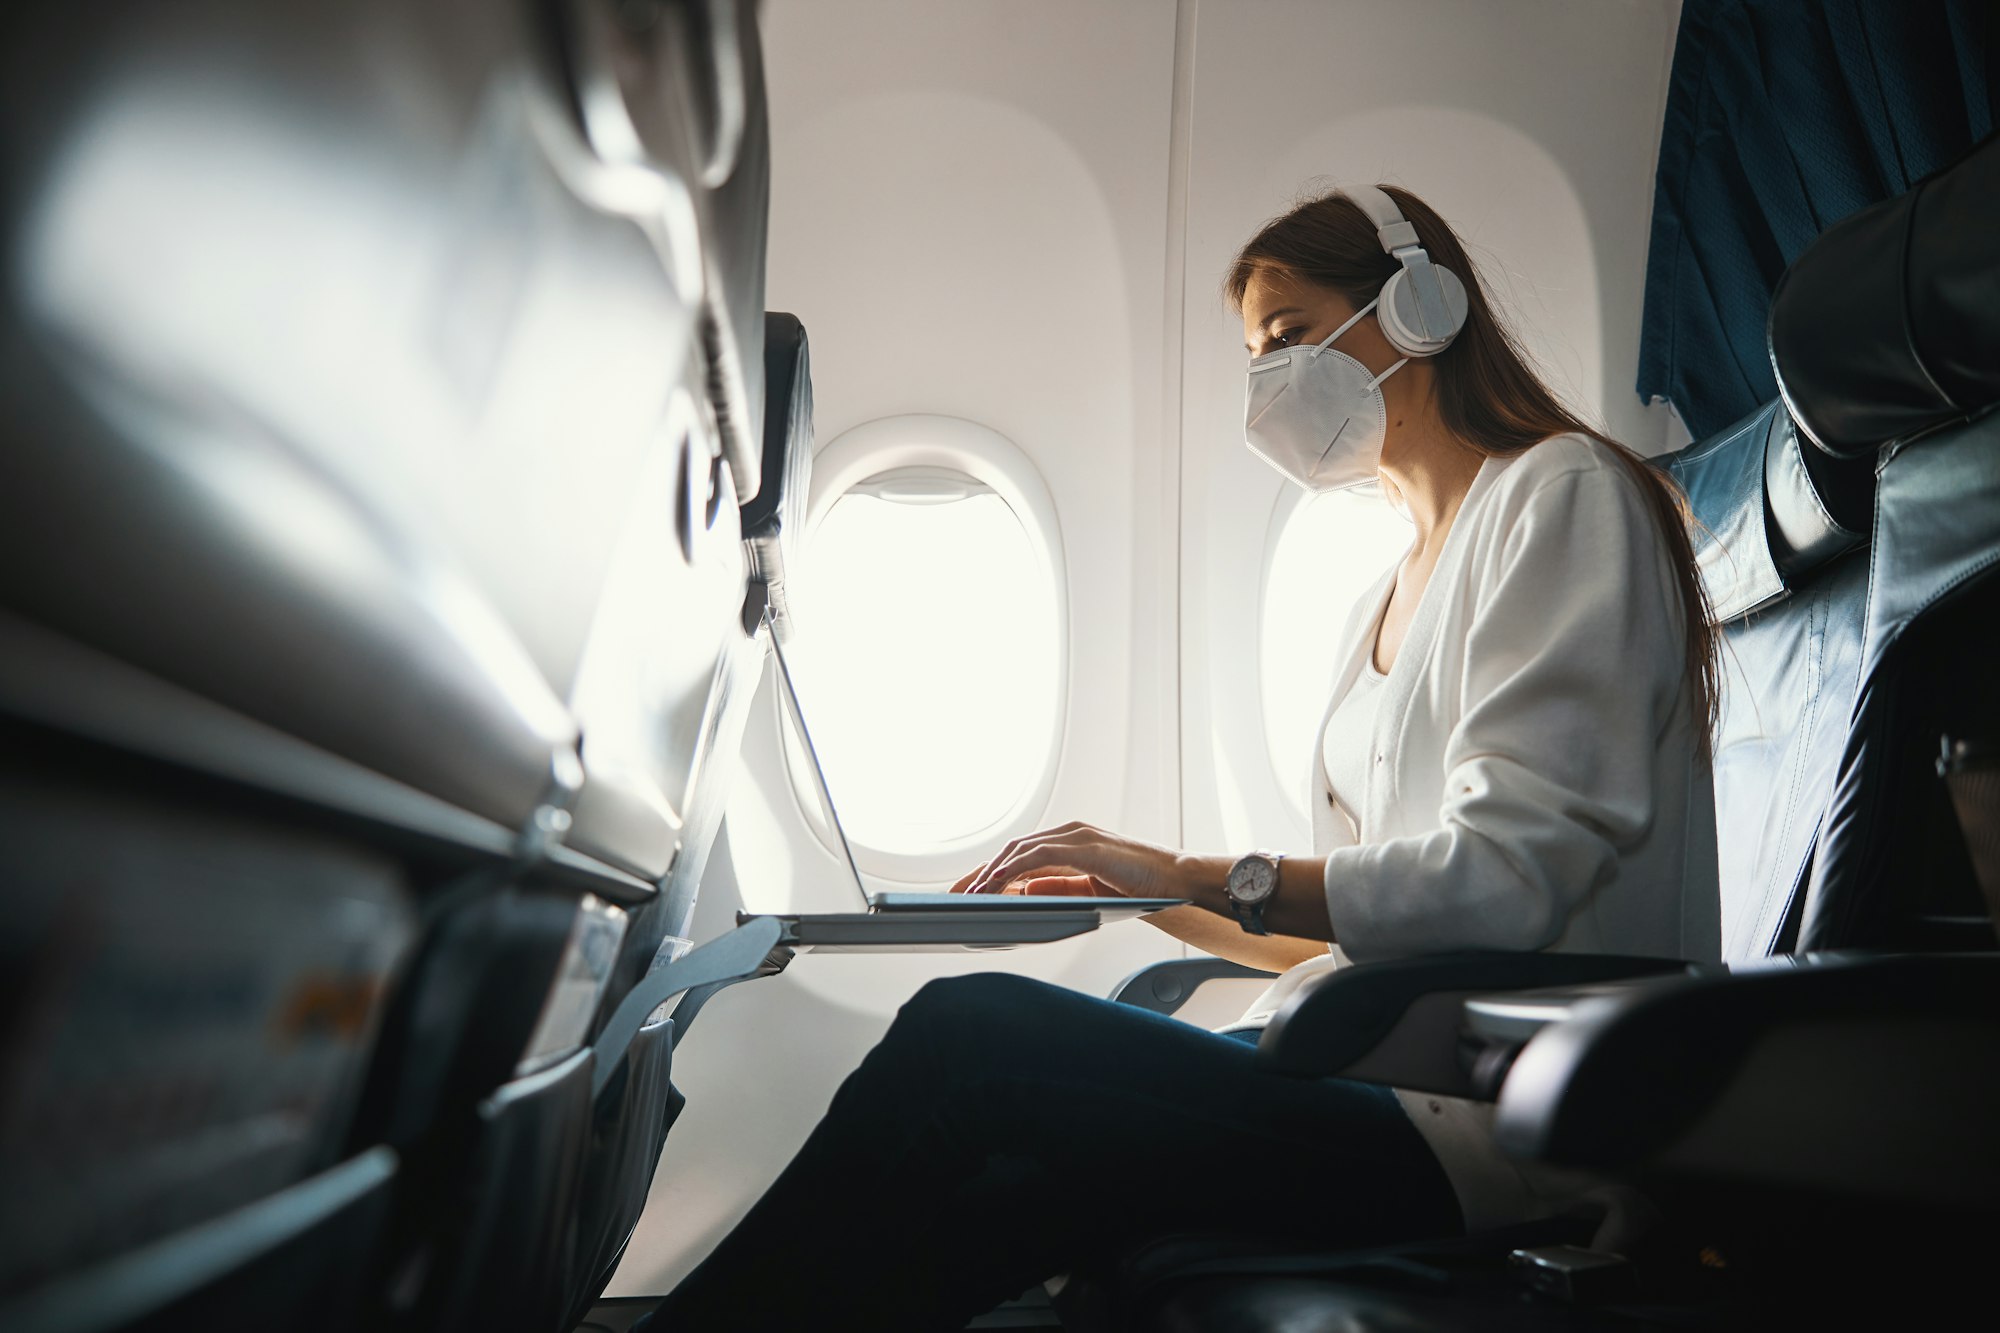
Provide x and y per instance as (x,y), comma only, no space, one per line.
(1019,214)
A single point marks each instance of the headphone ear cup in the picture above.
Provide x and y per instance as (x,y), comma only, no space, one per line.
(1398,311)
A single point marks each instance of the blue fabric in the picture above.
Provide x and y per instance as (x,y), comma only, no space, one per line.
(1782,117)
(1005,1131)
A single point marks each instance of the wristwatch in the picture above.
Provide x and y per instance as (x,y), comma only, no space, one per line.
(1252,882)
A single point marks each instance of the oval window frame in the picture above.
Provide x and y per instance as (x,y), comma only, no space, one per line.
(924,441)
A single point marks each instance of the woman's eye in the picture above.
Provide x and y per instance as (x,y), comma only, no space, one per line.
(1288,337)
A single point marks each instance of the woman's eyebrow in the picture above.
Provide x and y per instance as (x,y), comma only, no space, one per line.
(1273,318)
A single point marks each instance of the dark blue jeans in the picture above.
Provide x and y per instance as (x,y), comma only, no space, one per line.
(1005,1131)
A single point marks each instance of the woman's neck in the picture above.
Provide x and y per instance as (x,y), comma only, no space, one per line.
(1432,469)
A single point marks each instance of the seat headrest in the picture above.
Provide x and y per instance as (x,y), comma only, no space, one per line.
(1768,511)
(1889,324)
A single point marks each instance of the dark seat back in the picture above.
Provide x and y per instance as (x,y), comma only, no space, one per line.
(1886,327)
(1843,670)
(1893,870)
(1843,666)
(1886,339)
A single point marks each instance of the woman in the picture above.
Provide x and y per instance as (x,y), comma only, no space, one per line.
(1514,758)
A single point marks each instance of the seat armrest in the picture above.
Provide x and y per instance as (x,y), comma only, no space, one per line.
(1494,1027)
(1165,987)
(1398,1021)
(1860,1075)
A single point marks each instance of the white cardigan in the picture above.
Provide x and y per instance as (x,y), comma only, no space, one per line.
(1536,780)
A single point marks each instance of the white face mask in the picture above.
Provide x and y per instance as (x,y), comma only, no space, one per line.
(1317,415)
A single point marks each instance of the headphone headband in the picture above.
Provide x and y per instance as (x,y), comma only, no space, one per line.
(1391,227)
(1423,304)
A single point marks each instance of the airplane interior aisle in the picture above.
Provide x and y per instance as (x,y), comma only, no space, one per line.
(977,221)
(526,524)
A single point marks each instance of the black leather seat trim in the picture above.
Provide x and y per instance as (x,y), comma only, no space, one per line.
(773,518)
(1723,479)
(1702,1074)
(788,412)
(1889,324)
(1345,1022)
(1888,857)
(1816,507)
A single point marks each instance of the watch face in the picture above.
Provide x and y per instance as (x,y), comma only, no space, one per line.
(1252,880)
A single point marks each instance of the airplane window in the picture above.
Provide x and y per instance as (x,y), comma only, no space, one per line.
(1326,551)
(929,658)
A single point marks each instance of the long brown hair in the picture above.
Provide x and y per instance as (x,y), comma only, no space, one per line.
(1486,392)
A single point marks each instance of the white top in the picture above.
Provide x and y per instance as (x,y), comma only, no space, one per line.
(1346,744)
(1536,782)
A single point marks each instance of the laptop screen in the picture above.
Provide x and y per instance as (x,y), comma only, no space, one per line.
(789,693)
(930,902)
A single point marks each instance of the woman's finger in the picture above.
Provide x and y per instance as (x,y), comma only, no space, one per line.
(1058,857)
(1058,886)
(983,881)
(1123,866)
(989,877)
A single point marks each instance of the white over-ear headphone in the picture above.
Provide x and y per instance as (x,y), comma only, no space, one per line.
(1422,305)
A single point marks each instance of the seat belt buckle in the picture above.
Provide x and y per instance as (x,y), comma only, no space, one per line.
(1573,1274)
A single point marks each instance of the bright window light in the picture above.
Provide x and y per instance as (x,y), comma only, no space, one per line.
(927,658)
(1328,551)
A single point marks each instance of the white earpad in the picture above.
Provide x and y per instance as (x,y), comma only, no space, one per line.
(1401,323)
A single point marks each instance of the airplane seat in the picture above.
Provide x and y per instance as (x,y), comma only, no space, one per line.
(769,523)
(1780,536)
(634,1101)
(370,582)
(1886,329)
(1781,1103)
(563,1157)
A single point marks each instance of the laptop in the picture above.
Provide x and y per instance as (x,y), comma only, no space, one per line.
(915,921)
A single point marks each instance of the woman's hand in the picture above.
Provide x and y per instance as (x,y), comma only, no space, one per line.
(1079,860)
